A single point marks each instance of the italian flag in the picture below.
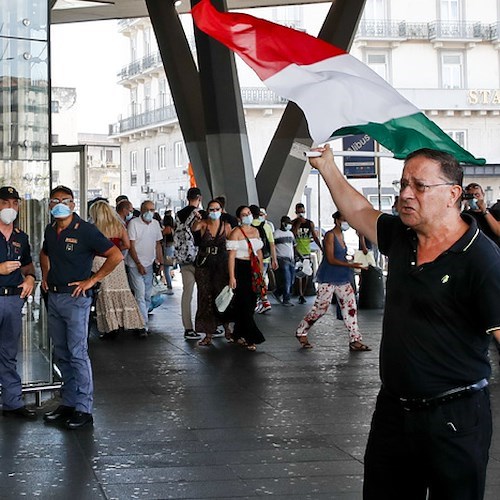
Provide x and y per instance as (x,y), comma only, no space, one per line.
(338,94)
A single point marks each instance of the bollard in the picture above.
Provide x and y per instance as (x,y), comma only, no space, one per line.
(371,289)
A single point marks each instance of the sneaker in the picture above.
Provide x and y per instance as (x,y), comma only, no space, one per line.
(219,332)
(302,300)
(258,307)
(265,306)
(287,304)
(170,291)
(191,335)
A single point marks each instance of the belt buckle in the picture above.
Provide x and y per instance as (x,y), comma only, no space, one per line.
(5,291)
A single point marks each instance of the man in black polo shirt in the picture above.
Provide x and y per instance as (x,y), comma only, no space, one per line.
(69,247)
(431,429)
(17,280)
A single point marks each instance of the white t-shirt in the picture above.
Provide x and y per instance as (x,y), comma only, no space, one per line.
(144,237)
(284,242)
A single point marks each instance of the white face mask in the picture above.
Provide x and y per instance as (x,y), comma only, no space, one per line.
(246,220)
(8,215)
(344,226)
(288,227)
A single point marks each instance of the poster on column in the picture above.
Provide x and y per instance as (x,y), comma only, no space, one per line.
(359,167)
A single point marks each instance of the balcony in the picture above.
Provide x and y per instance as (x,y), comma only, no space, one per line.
(381,29)
(140,66)
(446,30)
(435,30)
(251,96)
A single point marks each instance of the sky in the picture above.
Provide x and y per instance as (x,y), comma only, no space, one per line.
(89,56)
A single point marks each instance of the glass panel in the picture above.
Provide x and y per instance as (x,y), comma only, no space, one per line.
(66,168)
(24,100)
(24,19)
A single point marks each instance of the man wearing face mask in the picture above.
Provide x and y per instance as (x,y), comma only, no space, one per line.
(125,211)
(17,280)
(145,250)
(68,251)
(284,241)
(304,231)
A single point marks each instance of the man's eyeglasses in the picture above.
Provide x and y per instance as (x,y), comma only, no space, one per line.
(55,201)
(418,186)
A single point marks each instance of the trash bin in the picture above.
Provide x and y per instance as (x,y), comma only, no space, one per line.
(371,289)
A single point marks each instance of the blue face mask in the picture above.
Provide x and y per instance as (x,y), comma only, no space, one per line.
(214,215)
(129,216)
(147,216)
(60,211)
(247,220)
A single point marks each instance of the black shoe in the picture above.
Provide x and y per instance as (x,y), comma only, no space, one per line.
(21,412)
(191,335)
(302,300)
(79,420)
(60,414)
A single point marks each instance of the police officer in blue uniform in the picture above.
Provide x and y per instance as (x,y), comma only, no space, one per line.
(69,247)
(17,280)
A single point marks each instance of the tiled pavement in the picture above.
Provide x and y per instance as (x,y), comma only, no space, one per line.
(174,420)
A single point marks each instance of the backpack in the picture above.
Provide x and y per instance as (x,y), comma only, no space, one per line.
(266,249)
(185,250)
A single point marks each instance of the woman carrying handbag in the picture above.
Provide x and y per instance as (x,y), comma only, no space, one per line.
(245,278)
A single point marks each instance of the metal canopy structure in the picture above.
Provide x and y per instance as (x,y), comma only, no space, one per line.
(71,11)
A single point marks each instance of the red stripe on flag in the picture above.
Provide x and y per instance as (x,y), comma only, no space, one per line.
(265,46)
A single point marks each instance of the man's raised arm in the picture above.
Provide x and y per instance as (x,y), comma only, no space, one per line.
(352,205)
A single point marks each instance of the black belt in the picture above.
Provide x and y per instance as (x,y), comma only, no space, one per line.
(61,288)
(10,290)
(456,393)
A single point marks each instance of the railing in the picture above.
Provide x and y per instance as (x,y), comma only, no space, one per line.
(494,31)
(250,96)
(458,30)
(261,95)
(140,66)
(426,31)
(381,29)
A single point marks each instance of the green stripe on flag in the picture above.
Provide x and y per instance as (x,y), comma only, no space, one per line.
(404,135)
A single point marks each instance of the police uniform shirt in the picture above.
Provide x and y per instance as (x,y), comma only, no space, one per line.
(72,251)
(17,248)
(438,314)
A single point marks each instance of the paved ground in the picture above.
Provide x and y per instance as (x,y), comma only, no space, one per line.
(173,420)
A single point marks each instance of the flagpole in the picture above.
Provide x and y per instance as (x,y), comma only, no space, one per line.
(369,154)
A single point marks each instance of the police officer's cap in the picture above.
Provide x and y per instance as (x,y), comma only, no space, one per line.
(9,193)
(61,189)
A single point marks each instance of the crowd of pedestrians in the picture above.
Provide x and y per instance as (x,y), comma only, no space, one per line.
(113,260)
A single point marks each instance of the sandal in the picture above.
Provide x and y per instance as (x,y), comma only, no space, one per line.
(304,342)
(207,341)
(358,346)
(251,347)
(242,342)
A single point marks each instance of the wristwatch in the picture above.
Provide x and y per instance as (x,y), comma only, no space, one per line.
(486,212)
